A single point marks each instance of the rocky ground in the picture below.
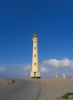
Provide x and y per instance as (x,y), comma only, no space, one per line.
(6,82)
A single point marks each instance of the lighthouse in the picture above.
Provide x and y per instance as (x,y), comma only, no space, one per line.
(35,72)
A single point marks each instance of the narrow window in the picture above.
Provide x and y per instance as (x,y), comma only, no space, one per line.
(34,55)
(34,73)
(35,48)
(35,64)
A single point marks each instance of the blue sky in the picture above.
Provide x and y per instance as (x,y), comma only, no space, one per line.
(19,19)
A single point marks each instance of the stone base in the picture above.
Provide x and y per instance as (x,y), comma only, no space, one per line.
(35,77)
(35,74)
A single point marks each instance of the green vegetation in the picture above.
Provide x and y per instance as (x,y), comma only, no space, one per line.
(67,96)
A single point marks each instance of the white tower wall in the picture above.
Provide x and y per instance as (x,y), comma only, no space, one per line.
(35,73)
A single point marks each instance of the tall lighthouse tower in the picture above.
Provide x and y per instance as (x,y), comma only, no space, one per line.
(35,73)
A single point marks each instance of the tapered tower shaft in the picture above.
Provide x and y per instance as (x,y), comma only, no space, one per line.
(35,73)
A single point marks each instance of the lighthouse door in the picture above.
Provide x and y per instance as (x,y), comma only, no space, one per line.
(34,74)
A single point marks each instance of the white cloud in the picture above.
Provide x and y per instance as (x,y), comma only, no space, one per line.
(43,69)
(27,67)
(59,63)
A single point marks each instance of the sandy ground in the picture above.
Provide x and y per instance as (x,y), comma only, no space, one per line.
(54,88)
(48,89)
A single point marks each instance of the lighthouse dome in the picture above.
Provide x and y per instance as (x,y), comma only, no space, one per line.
(35,35)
